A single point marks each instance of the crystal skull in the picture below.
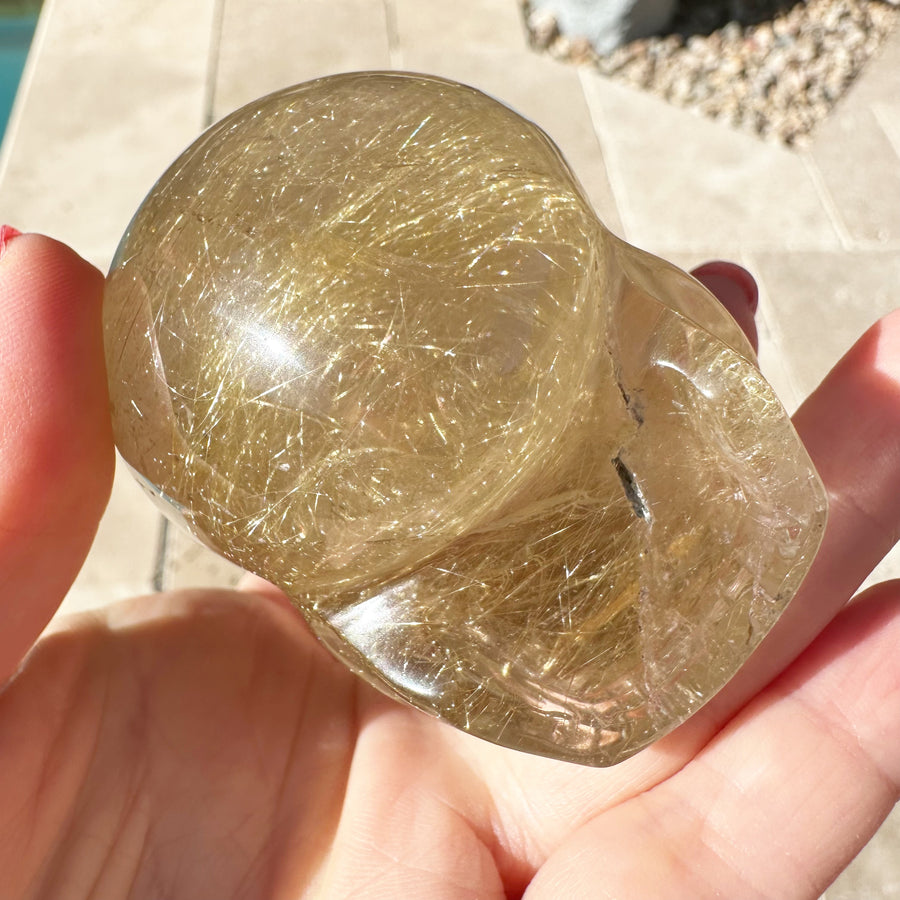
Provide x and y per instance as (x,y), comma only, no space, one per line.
(367,338)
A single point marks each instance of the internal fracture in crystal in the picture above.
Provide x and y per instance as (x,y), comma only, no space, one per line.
(367,338)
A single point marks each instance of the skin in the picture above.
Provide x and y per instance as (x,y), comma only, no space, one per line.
(202,744)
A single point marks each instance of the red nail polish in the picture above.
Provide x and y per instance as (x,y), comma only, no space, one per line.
(736,274)
(7,233)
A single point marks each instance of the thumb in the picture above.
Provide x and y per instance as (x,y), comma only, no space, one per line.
(56,450)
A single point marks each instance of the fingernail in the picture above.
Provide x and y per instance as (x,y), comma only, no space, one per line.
(7,233)
(736,275)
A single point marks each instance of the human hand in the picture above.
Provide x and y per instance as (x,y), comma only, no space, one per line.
(202,744)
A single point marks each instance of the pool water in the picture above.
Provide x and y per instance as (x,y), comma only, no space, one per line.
(16,33)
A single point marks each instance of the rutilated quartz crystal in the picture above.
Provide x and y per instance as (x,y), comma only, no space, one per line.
(368,339)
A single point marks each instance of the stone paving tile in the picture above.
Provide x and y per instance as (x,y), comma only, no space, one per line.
(543,90)
(857,152)
(462,25)
(888,117)
(860,170)
(824,301)
(117,93)
(265,45)
(681,180)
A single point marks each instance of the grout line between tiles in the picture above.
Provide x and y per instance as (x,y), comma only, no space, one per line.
(395,54)
(158,580)
(827,201)
(772,325)
(892,133)
(609,156)
(212,63)
(875,246)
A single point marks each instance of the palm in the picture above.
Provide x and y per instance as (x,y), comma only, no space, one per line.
(204,745)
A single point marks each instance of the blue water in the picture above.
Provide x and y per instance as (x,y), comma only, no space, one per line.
(15,39)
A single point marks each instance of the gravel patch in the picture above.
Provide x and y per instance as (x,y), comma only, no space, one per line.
(772,68)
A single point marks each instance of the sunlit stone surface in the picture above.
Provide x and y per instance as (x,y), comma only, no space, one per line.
(367,337)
